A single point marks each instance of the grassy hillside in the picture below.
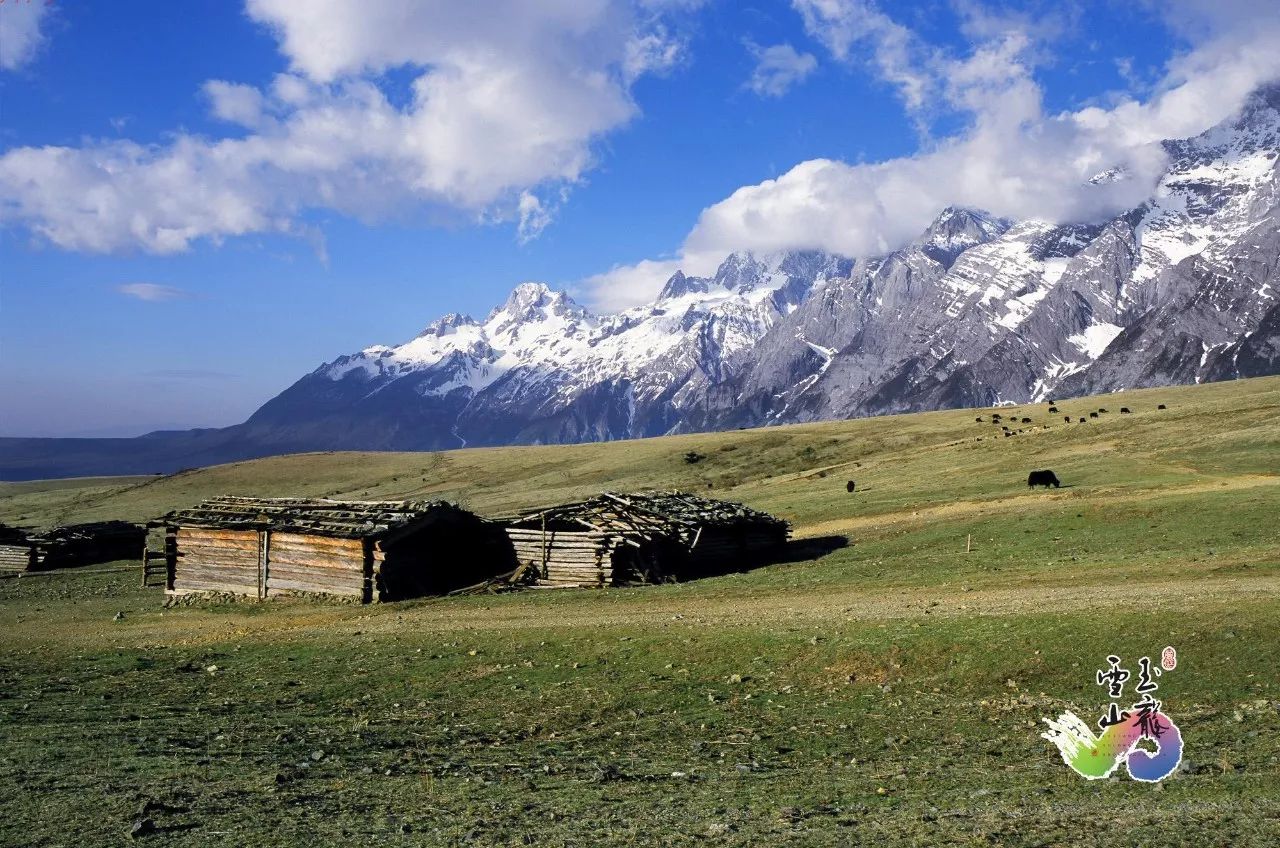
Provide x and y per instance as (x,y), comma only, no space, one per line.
(890,689)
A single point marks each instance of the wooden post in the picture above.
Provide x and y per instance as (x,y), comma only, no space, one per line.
(543,567)
(968,545)
(264,558)
(170,556)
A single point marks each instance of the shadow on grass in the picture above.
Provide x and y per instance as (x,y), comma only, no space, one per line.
(795,550)
(814,547)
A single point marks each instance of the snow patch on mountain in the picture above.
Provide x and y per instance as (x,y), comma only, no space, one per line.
(1094,340)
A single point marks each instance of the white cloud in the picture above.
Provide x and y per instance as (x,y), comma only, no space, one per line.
(235,103)
(20,32)
(623,286)
(897,55)
(534,216)
(778,68)
(153,292)
(508,100)
(1013,158)
(655,52)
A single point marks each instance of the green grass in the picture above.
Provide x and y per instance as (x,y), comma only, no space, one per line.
(887,691)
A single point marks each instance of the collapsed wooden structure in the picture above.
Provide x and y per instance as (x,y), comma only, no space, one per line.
(648,537)
(74,544)
(366,551)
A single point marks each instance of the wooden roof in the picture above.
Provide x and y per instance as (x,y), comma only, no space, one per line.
(649,513)
(343,519)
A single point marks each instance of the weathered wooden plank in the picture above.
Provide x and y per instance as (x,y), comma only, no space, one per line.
(188,563)
(336,578)
(329,544)
(248,578)
(313,560)
(215,586)
(197,533)
(307,586)
(573,540)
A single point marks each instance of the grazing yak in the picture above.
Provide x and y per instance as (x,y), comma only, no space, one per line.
(1026,421)
(978,419)
(1124,410)
(849,487)
(1162,406)
(1044,478)
(1082,420)
(1093,415)
(1066,418)
(1053,409)
(1100,409)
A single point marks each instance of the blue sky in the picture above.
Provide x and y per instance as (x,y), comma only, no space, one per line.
(200,202)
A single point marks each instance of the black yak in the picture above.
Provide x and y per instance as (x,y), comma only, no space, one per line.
(849,487)
(1044,478)
(1162,406)
(1066,418)
(1083,420)
(1100,409)
(1093,415)
(1124,410)
(1026,421)
(1053,409)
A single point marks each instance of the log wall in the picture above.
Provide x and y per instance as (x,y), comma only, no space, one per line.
(261,563)
(298,562)
(16,558)
(566,558)
(218,561)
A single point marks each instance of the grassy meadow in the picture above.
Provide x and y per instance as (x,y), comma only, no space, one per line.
(881,685)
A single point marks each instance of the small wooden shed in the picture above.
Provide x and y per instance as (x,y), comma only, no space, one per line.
(367,551)
(70,545)
(648,537)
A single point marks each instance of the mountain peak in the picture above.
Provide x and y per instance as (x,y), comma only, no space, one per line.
(679,284)
(956,229)
(532,300)
(447,324)
(1255,128)
(740,272)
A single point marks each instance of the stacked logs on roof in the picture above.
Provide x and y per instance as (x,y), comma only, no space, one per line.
(70,545)
(342,519)
(613,539)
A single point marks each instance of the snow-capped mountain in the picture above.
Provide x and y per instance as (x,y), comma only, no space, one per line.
(540,368)
(977,310)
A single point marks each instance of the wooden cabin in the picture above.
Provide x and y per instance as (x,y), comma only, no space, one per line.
(616,539)
(71,545)
(366,551)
